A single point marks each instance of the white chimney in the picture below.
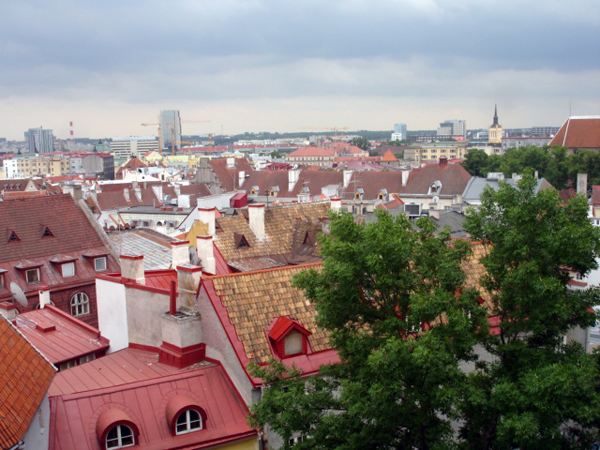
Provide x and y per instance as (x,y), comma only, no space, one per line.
(8,310)
(325,225)
(256,217)
(126,194)
(207,216)
(293,176)
(158,191)
(405,174)
(188,280)
(183,201)
(44,293)
(231,163)
(132,267)
(206,253)
(582,184)
(336,204)
(241,178)
(347,177)
(180,253)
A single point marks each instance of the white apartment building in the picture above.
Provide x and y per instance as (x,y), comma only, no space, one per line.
(126,147)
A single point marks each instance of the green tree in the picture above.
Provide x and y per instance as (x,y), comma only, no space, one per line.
(476,162)
(361,142)
(399,380)
(276,154)
(534,392)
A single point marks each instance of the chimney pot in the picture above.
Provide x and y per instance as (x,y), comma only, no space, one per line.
(132,267)
(206,253)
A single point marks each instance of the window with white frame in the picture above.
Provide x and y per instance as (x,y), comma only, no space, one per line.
(119,437)
(32,275)
(68,269)
(188,421)
(80,304)
(100,264)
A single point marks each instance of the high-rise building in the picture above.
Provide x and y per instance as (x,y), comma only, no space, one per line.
(453,128)
(399,133)
(170,128)
(39,140)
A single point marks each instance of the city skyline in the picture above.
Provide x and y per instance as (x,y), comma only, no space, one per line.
(262,65)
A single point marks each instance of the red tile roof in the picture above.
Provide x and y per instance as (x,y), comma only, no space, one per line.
(454,179)
(59,336)
(389,157)
(595,195)
(228,177)
(579,132)
(312,151)
(136,384)
(24,380)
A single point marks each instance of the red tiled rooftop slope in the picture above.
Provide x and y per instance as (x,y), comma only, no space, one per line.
(27,217)
(24,379)
(579,132)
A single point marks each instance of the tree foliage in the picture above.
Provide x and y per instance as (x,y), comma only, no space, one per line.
(396,385)
(458,384)
(534,392)
(361,142)
(552,163)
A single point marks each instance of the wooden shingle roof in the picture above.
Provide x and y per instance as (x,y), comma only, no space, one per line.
(282,223)
(254,299)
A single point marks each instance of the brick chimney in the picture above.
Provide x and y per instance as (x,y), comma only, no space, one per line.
(256,219)
(207,216)
(132,267)
(180,253)
(206,253)
(188,280)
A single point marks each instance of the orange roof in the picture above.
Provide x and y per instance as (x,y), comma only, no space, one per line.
(24,380)
(579,132)
(389,157)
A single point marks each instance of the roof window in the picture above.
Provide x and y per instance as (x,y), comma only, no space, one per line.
(240,240)
(115,429)
(184,415)
(12,237)
(288,337)
(46,232)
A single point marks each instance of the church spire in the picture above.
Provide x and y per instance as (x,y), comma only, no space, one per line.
(495,116)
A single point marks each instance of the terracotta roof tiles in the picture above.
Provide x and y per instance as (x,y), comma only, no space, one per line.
(24,380)
(579,132)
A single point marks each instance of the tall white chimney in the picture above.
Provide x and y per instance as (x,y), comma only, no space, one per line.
(188,280)
(180,253)
(241,178)
(44,293)
(256,219)
(582,184)
(336,204)
(405,174)
(293,176)
(207,216)
(206,254)
(347,177)
(132,267)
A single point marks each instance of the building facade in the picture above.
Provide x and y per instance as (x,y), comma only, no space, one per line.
(39,140)
(399,133)
(453,128)
(125,147)
(170,128)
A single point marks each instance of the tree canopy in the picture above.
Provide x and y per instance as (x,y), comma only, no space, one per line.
(552,163)
(420,366)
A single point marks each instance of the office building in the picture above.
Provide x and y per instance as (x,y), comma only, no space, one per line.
(39,140)
(170,128)
(399,133)
(453,128)
(125,148)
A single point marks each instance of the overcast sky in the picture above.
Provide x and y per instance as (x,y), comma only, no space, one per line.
(282,65)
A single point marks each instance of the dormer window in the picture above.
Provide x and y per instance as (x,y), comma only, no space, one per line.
(46,232)
(120,436)
(288,337)
(12,237)
(32,275)
(188,421)
(115,429)
(100,264)
(2,280)
(240,240)
(359,194)
(68,269)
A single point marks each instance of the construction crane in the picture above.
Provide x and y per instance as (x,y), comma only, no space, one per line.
(334,129)
(171,126)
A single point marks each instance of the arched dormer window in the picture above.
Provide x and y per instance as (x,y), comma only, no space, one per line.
(115,429)
(288,337)
(184,415)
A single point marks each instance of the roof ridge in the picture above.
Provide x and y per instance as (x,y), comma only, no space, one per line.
(253,272)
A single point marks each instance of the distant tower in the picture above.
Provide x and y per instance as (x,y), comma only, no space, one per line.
(71,130)
(399,133)
(170,128)
(495,131)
